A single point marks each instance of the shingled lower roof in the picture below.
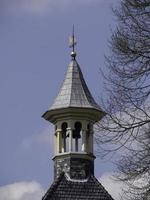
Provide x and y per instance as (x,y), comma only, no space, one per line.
(74,91)
(65,189)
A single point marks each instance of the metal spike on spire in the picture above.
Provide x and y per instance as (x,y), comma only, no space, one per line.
(72,43)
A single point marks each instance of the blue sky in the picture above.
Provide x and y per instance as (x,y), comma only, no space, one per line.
(34,55)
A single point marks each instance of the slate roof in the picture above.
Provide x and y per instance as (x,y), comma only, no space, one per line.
(65,189)
(74,91)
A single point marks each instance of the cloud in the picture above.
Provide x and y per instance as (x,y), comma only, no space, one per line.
(40,6)
(118,189)
(33,190)
(113,187)
(22,191)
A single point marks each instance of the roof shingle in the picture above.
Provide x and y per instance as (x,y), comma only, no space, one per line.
(74,91)
(65,189)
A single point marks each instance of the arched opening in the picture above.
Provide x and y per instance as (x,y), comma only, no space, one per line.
(64,127)
(88,130)
(55,127)
(89,138)
(77,137)
(88,126)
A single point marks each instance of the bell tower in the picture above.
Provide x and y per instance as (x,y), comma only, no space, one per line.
(73,114)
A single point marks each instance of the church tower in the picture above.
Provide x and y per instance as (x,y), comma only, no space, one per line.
(73,113)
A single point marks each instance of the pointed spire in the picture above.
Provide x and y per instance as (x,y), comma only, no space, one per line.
(74,93)
(72,43)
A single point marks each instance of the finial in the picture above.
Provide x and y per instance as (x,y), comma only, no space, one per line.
(72,43)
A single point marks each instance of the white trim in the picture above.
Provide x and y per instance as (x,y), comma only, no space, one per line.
(76,180)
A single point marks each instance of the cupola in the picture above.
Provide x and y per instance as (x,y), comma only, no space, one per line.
(74,112)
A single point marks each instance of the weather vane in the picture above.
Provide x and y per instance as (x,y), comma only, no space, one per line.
(72,43)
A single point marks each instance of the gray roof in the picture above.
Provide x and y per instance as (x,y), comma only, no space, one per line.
(63,189)
(74,91)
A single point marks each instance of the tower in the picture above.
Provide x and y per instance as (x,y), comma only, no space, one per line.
(73,113)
